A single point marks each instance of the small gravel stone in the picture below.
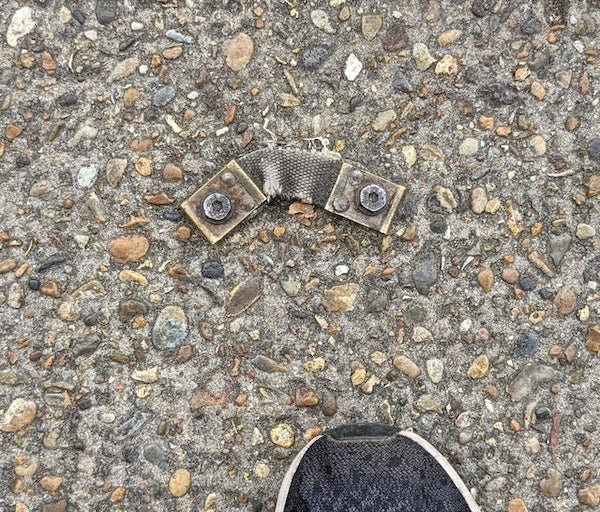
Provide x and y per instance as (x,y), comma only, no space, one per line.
(34,284)
(589,496)
(552,485)
(87,175)
(321,20)
(527,283)
(21,24)
(486,279)
(565,301)
(527,345)
(371,25)
(593,148)
(115,169)
(559,245)
(585,231)
(468,147)
(105,13)
(19,414)
(282,435)
(479,200)
(170,329)
(407,366)
(395,38)
(124,69)
(529,378)
(383,120)
(340,298)
(435,370)
(180,483)
(423,59)
(439,226)
(425,275)
(510,275)
(479,368)
(212,269)
(87,346)
(353,67)
(128,248)
(238,51)
(401,83)
(178,37)
(164,96)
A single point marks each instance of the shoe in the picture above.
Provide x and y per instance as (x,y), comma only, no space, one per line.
(373,468)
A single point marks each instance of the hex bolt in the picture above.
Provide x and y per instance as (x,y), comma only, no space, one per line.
(216,206)
(372,198)
(341,204)
(228,178)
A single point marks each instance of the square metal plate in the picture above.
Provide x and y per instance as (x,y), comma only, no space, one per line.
(244,195)
(344,198)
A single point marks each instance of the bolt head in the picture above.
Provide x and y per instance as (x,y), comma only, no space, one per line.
(216,206)
(341,204)
(228,178)
(372,198)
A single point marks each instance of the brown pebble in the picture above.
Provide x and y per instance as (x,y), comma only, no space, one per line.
(230,114)
(282,435)
(128,248)
(143,166)
(161,199)
(590,496)
(130,96)
(491,391)
(592,186)
(306,398)
(172,173)
(407,366)
(51,484)
(12,132)
(510,275)
(7,265)
(516,505)
(141,146)
(57,506)
(184,353)
(479,368)
(172,53)
(344,14)
(48,64)
(592,339)
(328,404)
(486,279)
(118,495)
(51,289)
(183,233)
(565,301)
(180,483)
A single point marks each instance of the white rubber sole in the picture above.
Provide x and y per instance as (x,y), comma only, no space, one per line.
(441,460)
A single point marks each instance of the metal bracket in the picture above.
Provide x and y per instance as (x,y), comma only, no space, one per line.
(223,202)
(365,198)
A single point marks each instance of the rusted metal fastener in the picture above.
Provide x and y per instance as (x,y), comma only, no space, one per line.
(372,198)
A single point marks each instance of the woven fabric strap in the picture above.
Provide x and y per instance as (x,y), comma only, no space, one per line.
(292,174)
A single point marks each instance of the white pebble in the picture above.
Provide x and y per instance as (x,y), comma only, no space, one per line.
(353,67)
(341,270)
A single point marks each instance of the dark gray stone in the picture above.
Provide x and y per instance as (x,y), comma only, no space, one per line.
(164,96)
(593,148)
(154,454)
(87,346)
(401,83)
(212,269)
(314,56)
(170,329)
(559,245)
(105,12)
(425,275)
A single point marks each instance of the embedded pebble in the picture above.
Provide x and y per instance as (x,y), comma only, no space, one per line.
(565,301)
(128,248)
(423,58)
(552,485)
(479,200)
(529,378)
(401,83)
(21,24)
(479,367)
(19,414)
(585,231)
(435,370)
(180,483)
(87,175)
(353,67)
(164,96)
(238,51)
(425,275)
(383,120)
(468,147)
(371,25)
(321,20)
(589,496)
(340,298)
(407,366)
(282,435)
(178,37)
(170,329)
